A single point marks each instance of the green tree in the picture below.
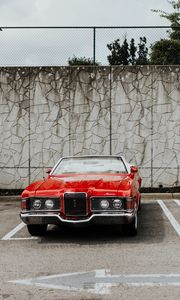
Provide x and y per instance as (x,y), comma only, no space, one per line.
(127,54)
(173,18)
(77,61)
(167,51)
(119,53)
(132,51)
(142,58)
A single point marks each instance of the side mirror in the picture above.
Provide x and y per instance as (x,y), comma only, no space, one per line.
(48,171)
(134,169)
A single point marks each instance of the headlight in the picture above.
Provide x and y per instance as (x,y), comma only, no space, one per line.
(117,203)
(37,204)
(49,204)
(104,204)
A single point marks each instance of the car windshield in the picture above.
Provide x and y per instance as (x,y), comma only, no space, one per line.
(81,165)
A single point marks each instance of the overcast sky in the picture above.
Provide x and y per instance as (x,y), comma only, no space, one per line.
(25,47)
(81,12)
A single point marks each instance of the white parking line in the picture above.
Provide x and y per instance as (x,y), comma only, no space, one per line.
(170,217)
(9,236)
(177,202)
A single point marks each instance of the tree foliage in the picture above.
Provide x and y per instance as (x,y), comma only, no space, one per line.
(132,52)
(128,53)
(173,18)
(77,61)
(119,53)
(167,51)
(142,52)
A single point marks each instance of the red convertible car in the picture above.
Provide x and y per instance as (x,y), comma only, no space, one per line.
(82,190)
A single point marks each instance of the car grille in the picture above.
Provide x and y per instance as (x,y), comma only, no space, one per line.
(75,204)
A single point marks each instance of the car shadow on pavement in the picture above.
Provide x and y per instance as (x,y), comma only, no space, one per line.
(150,230)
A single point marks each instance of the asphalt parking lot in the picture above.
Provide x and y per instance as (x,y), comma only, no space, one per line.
(92,263)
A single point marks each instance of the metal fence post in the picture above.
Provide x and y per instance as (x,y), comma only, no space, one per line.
(94,45)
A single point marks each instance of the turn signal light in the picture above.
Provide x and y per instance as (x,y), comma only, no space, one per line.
(129,203)
(23,204)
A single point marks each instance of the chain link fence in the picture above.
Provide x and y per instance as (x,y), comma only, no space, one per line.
(54,46)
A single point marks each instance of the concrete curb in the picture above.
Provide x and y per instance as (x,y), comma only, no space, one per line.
(161,196)
(144,196)
(10,198)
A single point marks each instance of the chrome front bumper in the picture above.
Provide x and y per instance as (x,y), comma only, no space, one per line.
(101,218)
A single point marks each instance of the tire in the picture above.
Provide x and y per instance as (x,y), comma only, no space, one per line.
(37,229)
(132,228)
(140,204)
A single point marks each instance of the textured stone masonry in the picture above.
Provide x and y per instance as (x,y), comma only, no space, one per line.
(49,112)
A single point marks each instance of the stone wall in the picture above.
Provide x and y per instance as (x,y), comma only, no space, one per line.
(49,112)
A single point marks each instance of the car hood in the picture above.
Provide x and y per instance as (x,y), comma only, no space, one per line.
(93,184)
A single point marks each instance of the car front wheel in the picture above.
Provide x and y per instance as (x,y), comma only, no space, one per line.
(131,228)
(37,229)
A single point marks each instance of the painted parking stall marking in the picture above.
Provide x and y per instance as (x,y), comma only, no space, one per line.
(177,202)
(99,281)
(10,235)
(170,216)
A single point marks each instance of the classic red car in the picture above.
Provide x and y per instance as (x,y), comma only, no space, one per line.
(82,190)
